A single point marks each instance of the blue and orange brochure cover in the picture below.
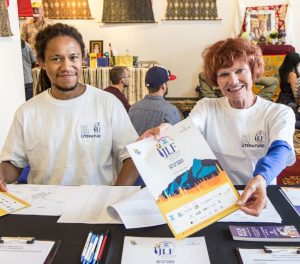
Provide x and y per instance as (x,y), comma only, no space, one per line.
(189,185)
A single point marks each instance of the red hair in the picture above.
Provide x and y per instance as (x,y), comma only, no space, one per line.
(224,53)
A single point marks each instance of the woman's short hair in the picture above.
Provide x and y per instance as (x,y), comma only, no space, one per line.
(224,53)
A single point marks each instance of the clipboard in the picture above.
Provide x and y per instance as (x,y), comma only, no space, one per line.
(28,250)
(278,255)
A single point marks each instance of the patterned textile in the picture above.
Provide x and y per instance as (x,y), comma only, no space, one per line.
(67,9)
(127,11)
(297,142)
(99,77)
(5,30)
(280,13)
(272,63)
(192,10)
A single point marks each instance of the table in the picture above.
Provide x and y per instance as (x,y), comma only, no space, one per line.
(276,49)
(221,247)
(99,77)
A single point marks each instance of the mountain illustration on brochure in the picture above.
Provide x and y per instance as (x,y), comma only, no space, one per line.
(200,172)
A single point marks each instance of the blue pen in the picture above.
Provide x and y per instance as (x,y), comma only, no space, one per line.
(97,249)
(89,256)
(87,242)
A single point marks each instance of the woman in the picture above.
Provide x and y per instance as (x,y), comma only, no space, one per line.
(288,73)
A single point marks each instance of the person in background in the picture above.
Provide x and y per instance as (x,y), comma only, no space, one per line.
(119,77)
(251,137)
(31,27)
(29,61)
(153,109)
(268,84)
(289,88)
(70,133)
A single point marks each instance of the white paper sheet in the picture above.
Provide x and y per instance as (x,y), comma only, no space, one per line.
(149,250)
(89,204)
(44,199)
(258,256)
(138,210)
(268,215)
(20,252)
(292,194)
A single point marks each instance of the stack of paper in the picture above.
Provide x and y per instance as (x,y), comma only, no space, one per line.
(150,250)
(292,194)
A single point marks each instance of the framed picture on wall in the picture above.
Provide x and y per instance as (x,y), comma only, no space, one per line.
(260,23)
(96,46)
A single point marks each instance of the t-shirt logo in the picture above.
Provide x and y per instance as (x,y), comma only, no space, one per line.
(91,131)
(260,136)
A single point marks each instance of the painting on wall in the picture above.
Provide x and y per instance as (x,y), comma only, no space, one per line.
(260,23)
(67,9)
(96,46)
(5,30)
(261,20)
(127,11)
(192,10)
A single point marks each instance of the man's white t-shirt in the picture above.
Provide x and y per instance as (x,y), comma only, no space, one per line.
(70,142)
(240,137)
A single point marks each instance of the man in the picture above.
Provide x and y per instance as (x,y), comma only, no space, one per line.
(153,109)
(268,84)
(71,133)
(31,27)
(251,137)
(29,61)
(119,77)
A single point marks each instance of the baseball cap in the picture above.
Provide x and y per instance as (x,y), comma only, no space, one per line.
(157,75)
(36,4)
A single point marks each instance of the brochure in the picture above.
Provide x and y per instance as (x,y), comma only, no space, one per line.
(265,233)
(10,203)
(188,183)
(148,250)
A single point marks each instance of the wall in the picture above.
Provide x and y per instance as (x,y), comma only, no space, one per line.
(11,74)
(174,44)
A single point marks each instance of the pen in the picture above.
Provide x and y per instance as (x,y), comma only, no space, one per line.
(100,255)
(87,242)
(98,249)
(281,249)
(89,249)
(89,258)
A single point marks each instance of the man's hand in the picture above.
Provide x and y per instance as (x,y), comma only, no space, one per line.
(9,173)
(3,187)
(254,197)
(155,132)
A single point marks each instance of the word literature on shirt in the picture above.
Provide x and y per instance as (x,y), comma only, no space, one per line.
(189,185)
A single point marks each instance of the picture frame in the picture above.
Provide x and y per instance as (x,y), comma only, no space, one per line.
(260,23)
(96,46)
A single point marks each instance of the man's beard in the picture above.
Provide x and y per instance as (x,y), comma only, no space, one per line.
(63,89)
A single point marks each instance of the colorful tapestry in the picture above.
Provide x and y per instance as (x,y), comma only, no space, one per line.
(24,8)
(127,11)
(5,30)
(272,64)
(67,9)
(191,10)
(280,13)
